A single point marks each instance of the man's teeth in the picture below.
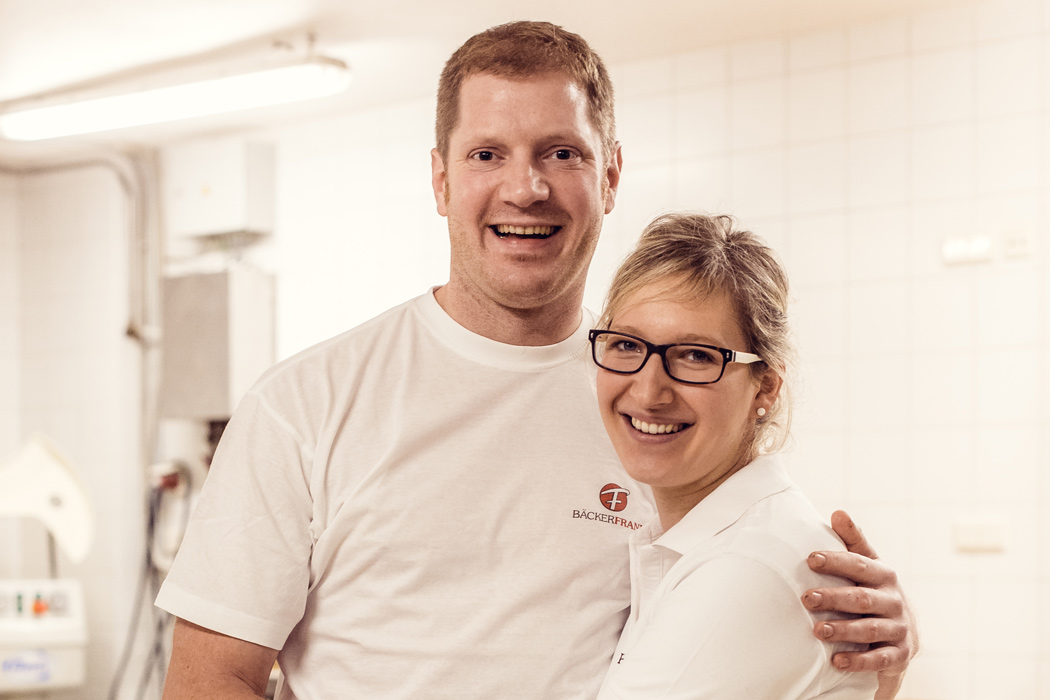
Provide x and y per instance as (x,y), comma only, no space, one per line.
(503,230)
(656,428)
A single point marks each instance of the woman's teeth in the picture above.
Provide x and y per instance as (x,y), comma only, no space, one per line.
(540,231)
(655,428)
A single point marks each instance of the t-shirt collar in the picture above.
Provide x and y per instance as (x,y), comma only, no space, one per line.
(494,353)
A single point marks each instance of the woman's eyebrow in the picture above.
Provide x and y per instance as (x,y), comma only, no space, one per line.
(695,338)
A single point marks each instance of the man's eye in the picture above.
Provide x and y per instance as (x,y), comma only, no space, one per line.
(563,154)
(484,155)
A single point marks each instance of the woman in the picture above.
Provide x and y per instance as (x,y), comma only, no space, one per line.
(693,350)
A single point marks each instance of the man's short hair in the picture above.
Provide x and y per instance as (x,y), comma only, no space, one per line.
(521,50)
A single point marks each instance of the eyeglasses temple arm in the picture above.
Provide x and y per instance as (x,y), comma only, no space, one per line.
(744,358)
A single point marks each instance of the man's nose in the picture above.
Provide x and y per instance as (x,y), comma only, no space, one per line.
(524,184)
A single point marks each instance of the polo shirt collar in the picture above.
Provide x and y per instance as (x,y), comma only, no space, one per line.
(757,480)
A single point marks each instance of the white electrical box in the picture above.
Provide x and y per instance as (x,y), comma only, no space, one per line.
(218,337)
(218,186)
(43,634)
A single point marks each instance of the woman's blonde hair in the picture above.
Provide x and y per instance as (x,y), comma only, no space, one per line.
(708,256)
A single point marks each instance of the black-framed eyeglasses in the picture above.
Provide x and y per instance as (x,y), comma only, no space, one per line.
(689,363)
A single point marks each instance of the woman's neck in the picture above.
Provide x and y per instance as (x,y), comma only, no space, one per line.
(672,503)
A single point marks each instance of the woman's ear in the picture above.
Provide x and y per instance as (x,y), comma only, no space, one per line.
(768,389)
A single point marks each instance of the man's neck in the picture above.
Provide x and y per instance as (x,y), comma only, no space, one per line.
(544,325)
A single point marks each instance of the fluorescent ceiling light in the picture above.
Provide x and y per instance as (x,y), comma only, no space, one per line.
(314,77)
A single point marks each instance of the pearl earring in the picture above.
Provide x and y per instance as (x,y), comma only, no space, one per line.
(761,411)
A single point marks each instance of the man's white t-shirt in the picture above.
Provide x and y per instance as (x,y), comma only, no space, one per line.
(716,610)
(410,510)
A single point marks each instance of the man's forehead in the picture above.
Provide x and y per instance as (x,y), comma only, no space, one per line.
(491,80)
(549,98)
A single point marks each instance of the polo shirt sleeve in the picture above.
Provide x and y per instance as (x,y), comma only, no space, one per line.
(733,629)
(243,568)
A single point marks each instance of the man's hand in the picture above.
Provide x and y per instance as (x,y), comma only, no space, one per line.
(888,624)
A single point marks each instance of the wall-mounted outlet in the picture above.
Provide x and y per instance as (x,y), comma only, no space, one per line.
(1017,244)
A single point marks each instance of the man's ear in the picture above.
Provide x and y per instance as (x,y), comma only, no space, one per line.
(438,180)
(612,177)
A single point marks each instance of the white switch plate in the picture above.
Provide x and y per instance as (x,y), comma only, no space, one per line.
(980,536)
(963,251)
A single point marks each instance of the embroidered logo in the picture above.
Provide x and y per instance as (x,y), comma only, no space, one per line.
(613,497)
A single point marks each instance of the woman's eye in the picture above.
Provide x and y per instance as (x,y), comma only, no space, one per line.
(698,357)
(624,346)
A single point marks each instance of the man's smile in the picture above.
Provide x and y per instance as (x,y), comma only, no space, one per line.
(504,230)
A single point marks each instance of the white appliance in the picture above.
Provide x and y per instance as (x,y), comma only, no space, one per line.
(43,629)
(42,635)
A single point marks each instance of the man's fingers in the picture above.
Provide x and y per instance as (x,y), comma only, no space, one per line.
(888,660)
(851,535)
(855,567)
(857,600)
(864,631)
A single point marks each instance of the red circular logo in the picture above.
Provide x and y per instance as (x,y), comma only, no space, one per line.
(613,497)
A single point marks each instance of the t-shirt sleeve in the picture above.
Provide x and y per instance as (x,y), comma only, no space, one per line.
(733,629)
(243,567)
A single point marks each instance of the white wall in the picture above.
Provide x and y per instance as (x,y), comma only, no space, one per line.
(357,228)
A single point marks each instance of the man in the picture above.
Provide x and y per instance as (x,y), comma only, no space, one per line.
(427,506)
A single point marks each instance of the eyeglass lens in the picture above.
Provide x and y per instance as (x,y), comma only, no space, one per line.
(690,363)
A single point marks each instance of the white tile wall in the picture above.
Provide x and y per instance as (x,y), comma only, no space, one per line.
(816,177)
(1005,158)
(757,183)
(757,59)
(921,401)
(701,122)
(1008,80)
(888,37)
(817,50)
(702,184)
(942,86)
(878,243)
(701,68)
(878,169)
(943,27)
(879,95)
(10,382)
(817,246)
(646,127)
(78,380)
(756,109)
(817,104)
(943,161)
(999,19)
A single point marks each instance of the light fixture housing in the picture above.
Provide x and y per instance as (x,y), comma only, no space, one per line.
(85,112)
